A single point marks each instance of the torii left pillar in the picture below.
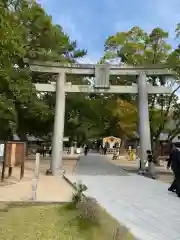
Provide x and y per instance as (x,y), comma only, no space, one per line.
(144,124)
(58,132)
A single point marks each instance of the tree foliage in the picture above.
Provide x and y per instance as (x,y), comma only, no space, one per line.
(27,32)
(174,61)
(137,47)
(97,116)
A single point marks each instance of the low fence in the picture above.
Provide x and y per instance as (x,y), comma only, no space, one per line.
(116,151)
(70,150)
(112,151)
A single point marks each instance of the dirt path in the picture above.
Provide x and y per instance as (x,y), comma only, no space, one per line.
(49,188)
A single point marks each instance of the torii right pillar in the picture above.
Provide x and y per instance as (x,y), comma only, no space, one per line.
(144,124)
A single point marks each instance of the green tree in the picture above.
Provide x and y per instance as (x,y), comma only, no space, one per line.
(98,116)
(174,62)
(11,47)
(137,47)
(27,32)
(174,58)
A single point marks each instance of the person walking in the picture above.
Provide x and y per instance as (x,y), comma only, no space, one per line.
(44,151)
(105,150)
(151,163)
(101,150)
(86,149)
(174,163)
(50,151)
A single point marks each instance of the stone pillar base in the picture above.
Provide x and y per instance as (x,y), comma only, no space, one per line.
(49,172)
(60,172)
(141,172)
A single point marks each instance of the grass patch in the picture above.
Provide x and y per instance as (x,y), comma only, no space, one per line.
(53,222)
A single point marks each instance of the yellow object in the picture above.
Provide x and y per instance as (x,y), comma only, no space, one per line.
(131,154)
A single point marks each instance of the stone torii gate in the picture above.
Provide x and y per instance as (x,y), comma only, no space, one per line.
(102,85)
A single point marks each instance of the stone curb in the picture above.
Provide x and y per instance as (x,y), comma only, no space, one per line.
(146,175)
(69,182)
(33,202)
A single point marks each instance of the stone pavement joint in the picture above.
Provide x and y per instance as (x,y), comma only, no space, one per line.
(141,204)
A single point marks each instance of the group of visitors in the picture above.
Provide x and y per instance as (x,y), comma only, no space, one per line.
(44,150)
(103,149)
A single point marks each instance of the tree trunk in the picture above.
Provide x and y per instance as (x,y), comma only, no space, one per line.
(155,150)
(123,144)
(22,136)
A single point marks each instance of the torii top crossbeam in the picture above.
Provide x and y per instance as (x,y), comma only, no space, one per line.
(89,69)
(102,74)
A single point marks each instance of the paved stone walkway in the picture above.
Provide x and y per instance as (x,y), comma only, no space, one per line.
(141,204)
(94,164)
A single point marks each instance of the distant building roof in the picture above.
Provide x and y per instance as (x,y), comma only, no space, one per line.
(32,138)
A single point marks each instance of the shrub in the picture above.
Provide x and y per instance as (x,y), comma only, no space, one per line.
(78,196)
(88,210)
(122,233)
